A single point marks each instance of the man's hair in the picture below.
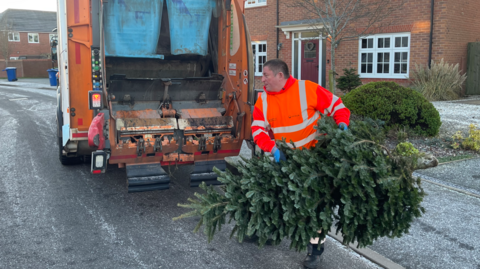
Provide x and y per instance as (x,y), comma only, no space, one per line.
(277,66)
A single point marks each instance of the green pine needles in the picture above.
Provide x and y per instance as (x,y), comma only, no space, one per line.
(349,181)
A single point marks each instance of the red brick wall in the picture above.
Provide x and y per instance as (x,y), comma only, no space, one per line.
(35,68)
(17,64)
(414,17)
(456,23)
(30,49)
(261,23)
(460,26)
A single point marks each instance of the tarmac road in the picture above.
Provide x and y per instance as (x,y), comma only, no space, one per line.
(54,216)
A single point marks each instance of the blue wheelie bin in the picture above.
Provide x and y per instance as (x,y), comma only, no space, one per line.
(11,73)
(52,75)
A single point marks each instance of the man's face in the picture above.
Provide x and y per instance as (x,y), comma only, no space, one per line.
(272,82)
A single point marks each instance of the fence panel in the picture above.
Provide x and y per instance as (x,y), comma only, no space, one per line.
(473,69)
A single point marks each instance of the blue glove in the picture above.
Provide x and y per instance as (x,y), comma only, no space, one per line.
(343,126)
(278,155)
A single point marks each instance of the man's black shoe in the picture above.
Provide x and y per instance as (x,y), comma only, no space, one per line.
(312,260)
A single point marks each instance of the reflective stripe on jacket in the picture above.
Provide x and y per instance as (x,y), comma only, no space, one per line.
(293,112)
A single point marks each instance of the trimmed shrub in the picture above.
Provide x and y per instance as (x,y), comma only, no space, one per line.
(396,105)
(442,81)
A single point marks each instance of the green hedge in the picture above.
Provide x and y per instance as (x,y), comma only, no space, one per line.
(396,105)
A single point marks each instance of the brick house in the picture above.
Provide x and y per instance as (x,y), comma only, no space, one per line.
(29,32)
(389,55)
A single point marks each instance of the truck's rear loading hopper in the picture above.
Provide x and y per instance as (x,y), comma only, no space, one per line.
(174,79)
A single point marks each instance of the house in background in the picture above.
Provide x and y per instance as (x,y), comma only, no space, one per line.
(29,32)
(27,43)
(279,31)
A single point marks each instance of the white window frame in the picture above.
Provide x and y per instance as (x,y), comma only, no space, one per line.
(33,37)
(392,50)
(255,3)
(258,54)
(13,58)
(15,34)
(298,38)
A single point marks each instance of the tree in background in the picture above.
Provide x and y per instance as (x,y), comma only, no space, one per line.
(344,20)
(349,80)
(5,27)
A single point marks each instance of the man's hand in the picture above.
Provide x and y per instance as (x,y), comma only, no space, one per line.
(278,155)
(342,126)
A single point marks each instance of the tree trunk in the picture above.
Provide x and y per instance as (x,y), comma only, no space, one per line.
(331,77)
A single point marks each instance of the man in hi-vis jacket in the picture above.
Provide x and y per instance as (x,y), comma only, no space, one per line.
(290,108)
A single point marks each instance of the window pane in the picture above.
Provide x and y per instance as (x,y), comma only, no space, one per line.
(405,42)
(364,68)
(295,35)
(404,56)
(310,50)
(30,39)
(380,43)
(370,43)
(386,57)
(36,38)
(397,57)
(398,41)
(379,68)
(387,42)
(404,68)
(364,43)
(386,68)
(380,57)
(260,68)
(309,34)
(370,57)
(369,68)
(364,57)
(396,68)
(295,59)
(253,48)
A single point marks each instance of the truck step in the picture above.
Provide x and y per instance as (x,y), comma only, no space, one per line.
(203,172)
(146,177)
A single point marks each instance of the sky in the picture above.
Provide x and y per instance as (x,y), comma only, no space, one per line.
(46,5)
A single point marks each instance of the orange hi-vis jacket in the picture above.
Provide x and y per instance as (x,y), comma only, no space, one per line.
(293,112)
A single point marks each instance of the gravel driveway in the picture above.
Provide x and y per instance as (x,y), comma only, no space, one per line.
(458,115)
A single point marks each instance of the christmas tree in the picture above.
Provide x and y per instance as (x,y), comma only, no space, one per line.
(349,181)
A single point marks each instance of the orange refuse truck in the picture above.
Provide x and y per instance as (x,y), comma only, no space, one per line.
(147,84)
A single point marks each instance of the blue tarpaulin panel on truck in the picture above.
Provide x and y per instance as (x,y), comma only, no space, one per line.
(132,28)
(189,24)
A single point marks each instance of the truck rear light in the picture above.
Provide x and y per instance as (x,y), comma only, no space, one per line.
(95,100)
(99,162)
